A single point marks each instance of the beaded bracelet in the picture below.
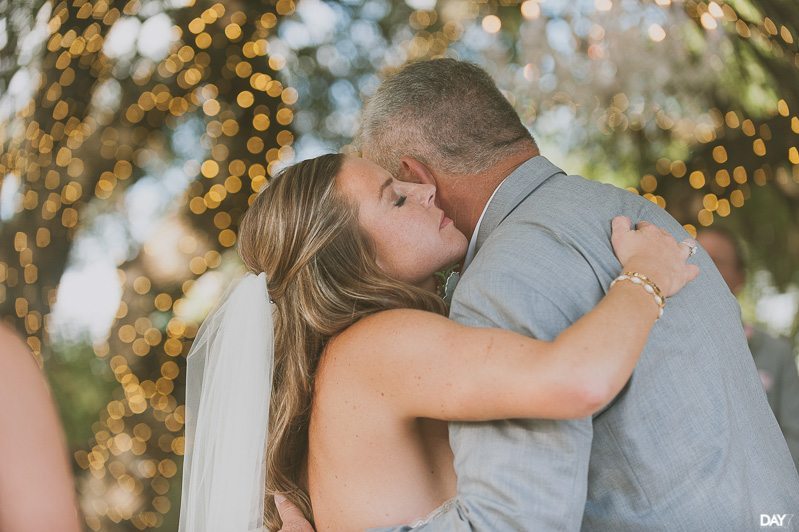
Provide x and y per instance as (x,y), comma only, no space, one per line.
(647,284)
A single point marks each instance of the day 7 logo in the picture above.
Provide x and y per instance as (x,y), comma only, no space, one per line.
(775,520)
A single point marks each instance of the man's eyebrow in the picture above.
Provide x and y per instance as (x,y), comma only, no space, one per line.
(384,186)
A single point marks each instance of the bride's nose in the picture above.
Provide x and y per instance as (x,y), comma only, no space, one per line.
(424,194)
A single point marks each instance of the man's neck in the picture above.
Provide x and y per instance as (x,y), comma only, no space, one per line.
(472,192)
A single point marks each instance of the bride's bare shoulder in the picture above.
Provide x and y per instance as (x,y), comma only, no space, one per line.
(386,333)
(391,327)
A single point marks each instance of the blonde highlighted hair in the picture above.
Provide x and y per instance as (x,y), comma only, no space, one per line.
(323,277)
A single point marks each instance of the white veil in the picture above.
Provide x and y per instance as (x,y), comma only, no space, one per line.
(228,387)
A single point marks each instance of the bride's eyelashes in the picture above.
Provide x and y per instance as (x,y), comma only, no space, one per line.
(400,201)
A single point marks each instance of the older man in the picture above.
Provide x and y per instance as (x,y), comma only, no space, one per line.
(690,444)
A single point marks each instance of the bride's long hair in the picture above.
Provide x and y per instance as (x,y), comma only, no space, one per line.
(323,277)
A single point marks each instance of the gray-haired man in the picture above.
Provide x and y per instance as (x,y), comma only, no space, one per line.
(691,443)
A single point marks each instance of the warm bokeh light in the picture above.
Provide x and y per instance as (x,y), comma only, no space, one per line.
(492,23)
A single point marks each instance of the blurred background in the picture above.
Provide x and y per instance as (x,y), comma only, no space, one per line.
(134,133)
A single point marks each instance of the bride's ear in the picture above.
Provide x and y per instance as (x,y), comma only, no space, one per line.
(415,171)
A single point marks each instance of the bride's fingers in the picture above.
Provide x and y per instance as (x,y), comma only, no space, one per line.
(620,225)
(291,516)
(642,224)
(692,271)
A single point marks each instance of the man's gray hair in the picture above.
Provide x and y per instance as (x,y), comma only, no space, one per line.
(446,113)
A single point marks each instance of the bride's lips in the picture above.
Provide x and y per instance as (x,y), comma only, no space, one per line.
(444,221)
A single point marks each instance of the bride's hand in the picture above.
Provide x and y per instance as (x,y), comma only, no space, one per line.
(293,520)
(653,252)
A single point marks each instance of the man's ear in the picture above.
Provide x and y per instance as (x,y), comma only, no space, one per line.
(415,171)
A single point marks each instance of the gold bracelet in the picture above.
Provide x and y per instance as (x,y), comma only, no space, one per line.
(646,280)
(647,284)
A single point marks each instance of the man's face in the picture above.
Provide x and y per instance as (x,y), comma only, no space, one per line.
(722,251)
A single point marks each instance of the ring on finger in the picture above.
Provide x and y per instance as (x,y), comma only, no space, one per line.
(691,247)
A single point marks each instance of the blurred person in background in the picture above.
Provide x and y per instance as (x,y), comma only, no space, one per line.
(37,490)
(773,356)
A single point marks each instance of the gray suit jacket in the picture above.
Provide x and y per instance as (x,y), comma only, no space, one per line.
(690,444)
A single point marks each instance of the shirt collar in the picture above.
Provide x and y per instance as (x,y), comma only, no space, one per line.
(470,251)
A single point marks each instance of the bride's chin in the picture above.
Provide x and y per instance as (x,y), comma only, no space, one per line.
(460,252)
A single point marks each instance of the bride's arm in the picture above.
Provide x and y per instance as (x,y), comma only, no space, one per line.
(37,490)
(429,366)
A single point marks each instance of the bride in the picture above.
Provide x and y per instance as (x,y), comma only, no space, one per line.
(332,385)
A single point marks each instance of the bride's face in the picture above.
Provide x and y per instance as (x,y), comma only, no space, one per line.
(412,236)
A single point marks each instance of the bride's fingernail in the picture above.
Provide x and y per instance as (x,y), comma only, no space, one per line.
(279,499)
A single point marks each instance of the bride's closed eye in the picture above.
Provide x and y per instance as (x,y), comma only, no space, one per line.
(400,201)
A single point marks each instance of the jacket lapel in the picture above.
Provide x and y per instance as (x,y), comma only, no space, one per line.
(519,185)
